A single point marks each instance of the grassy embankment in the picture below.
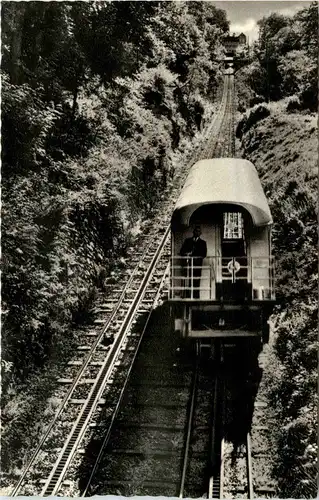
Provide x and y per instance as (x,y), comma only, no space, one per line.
(284,148)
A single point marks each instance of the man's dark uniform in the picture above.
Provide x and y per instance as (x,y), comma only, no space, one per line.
(197,248)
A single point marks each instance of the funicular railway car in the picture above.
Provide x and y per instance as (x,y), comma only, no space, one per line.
(222,270)
(228,65)
(229,62)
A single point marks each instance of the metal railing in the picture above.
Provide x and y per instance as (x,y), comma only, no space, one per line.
(194,278)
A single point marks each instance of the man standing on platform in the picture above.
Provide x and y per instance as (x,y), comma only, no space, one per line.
(195,248)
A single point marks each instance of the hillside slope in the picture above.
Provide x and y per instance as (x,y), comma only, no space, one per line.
(96,122)
(284,148)
(89,146)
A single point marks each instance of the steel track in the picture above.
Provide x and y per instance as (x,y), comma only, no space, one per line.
(224,144)
(216,482)
(221,121)
(59,469)
(77,378)
(124,386)
(220,135)
(190,421)
(87,360)
(249,467)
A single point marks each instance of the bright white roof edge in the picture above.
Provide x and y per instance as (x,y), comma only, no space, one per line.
(223,180)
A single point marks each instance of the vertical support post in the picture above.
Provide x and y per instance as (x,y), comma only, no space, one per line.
(187,321)
(192,277)
(252,277)
(171,279)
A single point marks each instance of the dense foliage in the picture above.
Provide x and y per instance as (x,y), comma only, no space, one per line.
(280,138)
(97,97)
(285,59)
(284,149)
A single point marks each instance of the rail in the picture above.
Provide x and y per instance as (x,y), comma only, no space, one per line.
(190,423)
(249,467)
(190,279)
(225,141)
(120,398)
(72,441)
(216,480)
(56,476)
(120,303)
(98,340)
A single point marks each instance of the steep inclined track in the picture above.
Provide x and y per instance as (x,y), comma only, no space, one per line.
(160,441)
(144,444)
(222,142)
(245,440)
(106,344)
(115,322)
(116,316)
(73,440)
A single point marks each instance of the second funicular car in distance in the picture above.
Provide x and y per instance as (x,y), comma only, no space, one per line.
(222,270)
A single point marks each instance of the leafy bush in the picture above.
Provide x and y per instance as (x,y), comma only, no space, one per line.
(293,105)
(250,119)
(285,58)
(283,148)
(257,99)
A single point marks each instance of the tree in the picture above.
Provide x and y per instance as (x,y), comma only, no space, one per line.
(12,20)
(269,27)
(96,97)
(308,20)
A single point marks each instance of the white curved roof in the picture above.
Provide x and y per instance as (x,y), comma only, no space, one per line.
(223,181)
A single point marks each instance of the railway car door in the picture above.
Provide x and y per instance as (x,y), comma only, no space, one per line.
(234,257)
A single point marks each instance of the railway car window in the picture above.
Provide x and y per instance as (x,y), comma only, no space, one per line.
(233,226)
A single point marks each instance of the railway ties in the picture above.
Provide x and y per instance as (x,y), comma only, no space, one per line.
(80,392)
(148,431)
(217,125)
(246,432)
(244,483)
(149,417)
(74,383)
(55,479)
(224,144)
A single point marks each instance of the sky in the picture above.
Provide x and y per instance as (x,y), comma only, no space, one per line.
(243,15)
